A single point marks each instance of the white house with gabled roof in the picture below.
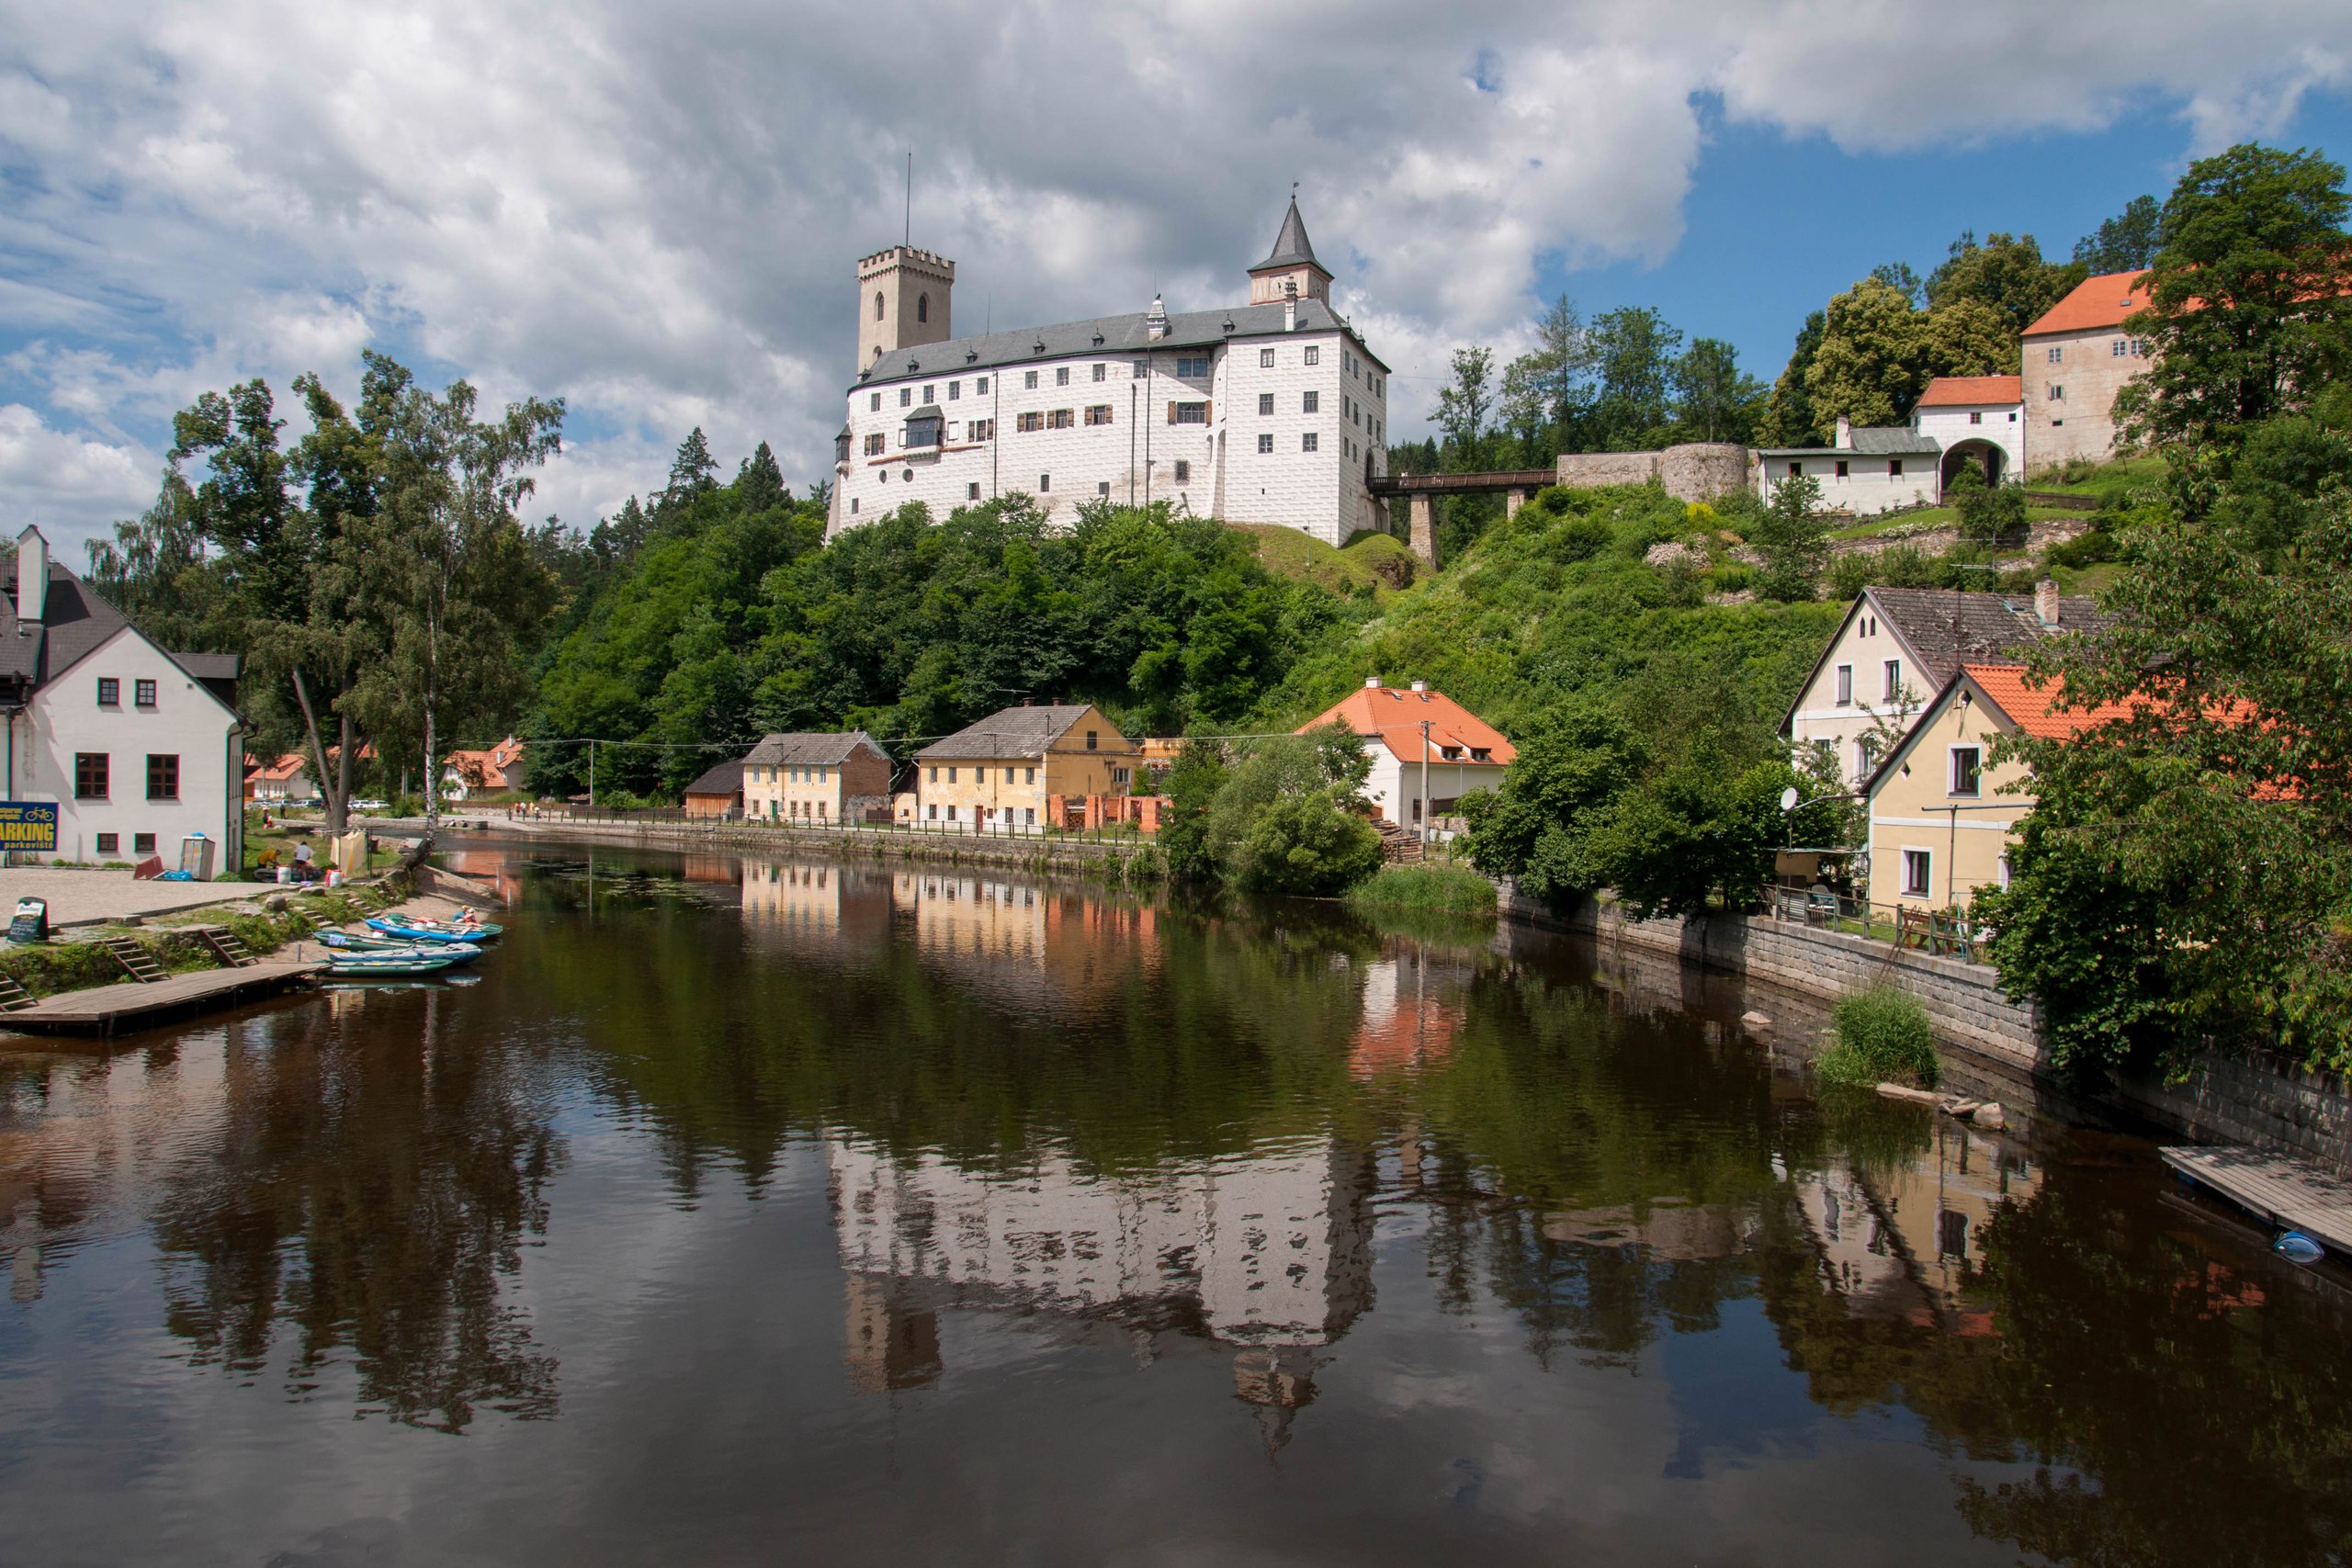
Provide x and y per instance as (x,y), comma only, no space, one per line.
(140,750)
(1273,412)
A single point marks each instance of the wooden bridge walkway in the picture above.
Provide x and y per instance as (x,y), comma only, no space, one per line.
(106,1010)
(2287,1192)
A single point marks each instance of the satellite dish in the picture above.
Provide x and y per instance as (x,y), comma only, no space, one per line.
(1788,798)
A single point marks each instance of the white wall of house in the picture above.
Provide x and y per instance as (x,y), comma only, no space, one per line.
(1214,469)
(2000,425)
(65,720)
(1396,786)
(1860,482)
(1868,676)
(2071,380)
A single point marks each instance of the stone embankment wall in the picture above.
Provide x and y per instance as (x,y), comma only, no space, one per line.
(1038,852)
(2253,1099)
(1700,471)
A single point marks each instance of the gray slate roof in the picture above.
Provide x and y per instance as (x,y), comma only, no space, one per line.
(812,747)
(75,622)
(1947,629)
(210,666)
(1011,732)
(1869,441)
(1124,337)
(1291,246)
(725,778)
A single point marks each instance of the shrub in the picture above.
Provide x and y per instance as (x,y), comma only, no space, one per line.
(1883,1036)
(1445,889)
(2085,549)
(1580,539)
(1308,845)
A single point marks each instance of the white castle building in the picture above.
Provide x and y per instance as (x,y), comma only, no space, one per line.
(1273,412)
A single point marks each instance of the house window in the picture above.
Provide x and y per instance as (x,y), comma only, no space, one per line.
(1091,738)
(906,397)
(1975,416)
(1311,402)
(1916,872)
(1266,402)
(1061,374)
(1098,413)
(110,843)
(1845,685)
(1101,372)
(162,777)
(1188,413)
(1029,820)
(950,814)
(143,843)
(1194,365)
(2120,347)
(874,403)
(934,773)
(955,390)
(1895,468)
(981,387)
(980,430)
(1060,419)
(2057,354)
(1184,471)
(1967,771)
(927,398)
(950,775)
(1796,470)
(1031,775)
(875,445)
(1482,753)
(1841,469)
(1266,441)
(2057,394)
(972,490)
(934,813)
(1894,679)
(109,692)
(1862,758)
(1030,420)
(1029,380)
(1142,368)
(1265,359)
(1101,487)
(1308,442)
(2139,351)
(1044,483)
(1313,355)
(89,775)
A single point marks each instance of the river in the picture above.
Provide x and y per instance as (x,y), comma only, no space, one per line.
(751,1210)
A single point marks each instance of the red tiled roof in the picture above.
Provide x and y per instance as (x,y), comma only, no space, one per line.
(1949,392)
(2028,701)
(1393,715)
(2102,302)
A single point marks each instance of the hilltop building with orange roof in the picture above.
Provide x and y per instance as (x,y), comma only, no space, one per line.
(1428,751)
(1978,419)
(2078,356)
(1942,813)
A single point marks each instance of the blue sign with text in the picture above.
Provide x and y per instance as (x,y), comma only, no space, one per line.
(29,825)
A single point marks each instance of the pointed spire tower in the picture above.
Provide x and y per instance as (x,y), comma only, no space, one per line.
(1292,262)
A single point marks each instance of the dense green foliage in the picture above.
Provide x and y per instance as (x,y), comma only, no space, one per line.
(1883,1036)
(1427,888)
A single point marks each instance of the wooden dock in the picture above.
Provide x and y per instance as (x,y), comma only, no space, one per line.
(2287,1192)
(109,1009)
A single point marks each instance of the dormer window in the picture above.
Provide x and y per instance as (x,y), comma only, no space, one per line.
(1482,753)
(1451,753)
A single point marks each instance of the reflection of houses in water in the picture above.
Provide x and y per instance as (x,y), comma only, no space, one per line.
(817,902)
(1272,1252)
(1905,1242)
(1080,944)
(1410,1012)
(1667,1230)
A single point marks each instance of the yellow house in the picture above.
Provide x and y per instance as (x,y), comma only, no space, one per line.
(999,774)
(1942,813)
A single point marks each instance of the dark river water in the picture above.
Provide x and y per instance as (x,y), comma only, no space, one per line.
(752,1212)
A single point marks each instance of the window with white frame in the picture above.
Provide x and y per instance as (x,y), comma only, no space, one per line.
(1265,359)
(1061,374)
(1313,355)
(1266,441)
(1967,771)
(1918,873)
(1894,672)
(2057,354)
(1845,685)
(2120,347)
(981,387)
(1101,372)
(1266,402)
(1309,442)
(1028,380)
(1311,402)
(906,397)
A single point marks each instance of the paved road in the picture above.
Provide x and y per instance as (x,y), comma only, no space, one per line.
(78,897)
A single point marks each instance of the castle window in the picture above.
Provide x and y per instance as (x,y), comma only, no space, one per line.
(1193,364)
(972,490)
(981,387)
(1893,467)
(1098,413)
(923,307)
(1044,483)
(980,430)
(1313,355)
(906,396)
(1060,419)
(852,506)
(2120,347)
(1184,471)
(1266,402)
(2057,354)
(873,445)
(1101,372)
(1312,402)
(1266,441)
(1265,359)
(878,304)
(1061,374)
(1028,380)
(1308,442)
(1188,413)
(1030,420)
(1101,487)
(927,395)
(875,404)
(955,390)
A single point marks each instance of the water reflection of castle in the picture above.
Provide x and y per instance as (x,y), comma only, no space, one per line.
(1270,1252)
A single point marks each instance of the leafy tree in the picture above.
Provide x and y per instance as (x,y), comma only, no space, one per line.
(2007,274)
(693,471)
(1715,399)
(2249,302)
(1899,277)
(1307,844)
(2125,242)
(1877,354)
(1790,418)
(155,571)
(1192,786)
(1990,516)
(1694,836)
(1463,406)
(1574,762)
(1793,537)
(1544,391)
(1632,352)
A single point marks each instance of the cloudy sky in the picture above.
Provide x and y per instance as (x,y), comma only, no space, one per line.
(653,212)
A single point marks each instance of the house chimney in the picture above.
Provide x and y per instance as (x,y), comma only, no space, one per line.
(1845,433)
(1290,304)
(1154,321)
(1420,685)
(32,576)
(1372,683)
(2045,602)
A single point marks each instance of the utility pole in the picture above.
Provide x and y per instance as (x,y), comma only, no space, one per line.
(591,775)
(1424,812)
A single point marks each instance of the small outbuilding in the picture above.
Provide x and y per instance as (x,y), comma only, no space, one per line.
(717,795)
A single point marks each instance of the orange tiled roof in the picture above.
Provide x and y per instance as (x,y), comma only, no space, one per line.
(1393,716)
(2029,703)
(2101,301)
(1950,391)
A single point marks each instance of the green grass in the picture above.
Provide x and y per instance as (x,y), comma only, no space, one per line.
(1432,889)
(1883,1036)
(1352,570)
(2096,481)
(1941,517)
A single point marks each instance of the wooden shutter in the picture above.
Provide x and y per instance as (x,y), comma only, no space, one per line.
(1172,411)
